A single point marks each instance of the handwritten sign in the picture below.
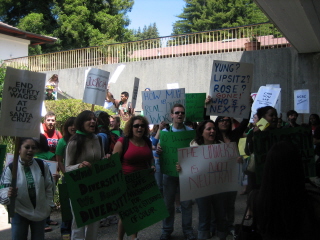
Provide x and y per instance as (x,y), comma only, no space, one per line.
(98,191)
(195,106)
(135,92)
(170,142)
(146,205)
(277,106)
(22,101)
(95,86)
(3,149)
(230,89)
(300,136)
(157,104)
(301,101)
(208,169)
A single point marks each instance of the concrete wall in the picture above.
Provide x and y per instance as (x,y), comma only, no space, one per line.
(12,47)
(274,66)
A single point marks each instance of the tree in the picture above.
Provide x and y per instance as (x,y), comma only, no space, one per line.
(147,32)
(204,15)
(75,23)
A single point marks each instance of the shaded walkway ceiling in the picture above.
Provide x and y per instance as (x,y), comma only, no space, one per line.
(298,20)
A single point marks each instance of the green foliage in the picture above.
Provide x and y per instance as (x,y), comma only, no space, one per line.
(66,108)
(147,32)
(205,15)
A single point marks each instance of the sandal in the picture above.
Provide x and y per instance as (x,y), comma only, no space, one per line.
(47,229)
(51,222)
(248,217)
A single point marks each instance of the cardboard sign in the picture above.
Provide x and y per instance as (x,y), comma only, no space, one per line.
(170,142)
(135,92)
(98,191)
(23,93)
(146,206)
(230,89)
(157,104)
(300,136)
(301,101)
(208,169)
(195,106)
(3,149)
(95,86)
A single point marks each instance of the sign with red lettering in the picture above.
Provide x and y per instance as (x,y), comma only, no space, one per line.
(23,94)
(96,86)
(230,89)
(208,169)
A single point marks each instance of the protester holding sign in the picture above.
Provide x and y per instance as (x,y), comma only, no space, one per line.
(84,149)
(171,184)
(135,151)
(34,193)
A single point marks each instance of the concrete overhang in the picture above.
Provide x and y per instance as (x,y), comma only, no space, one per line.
(297,20)
(35,39)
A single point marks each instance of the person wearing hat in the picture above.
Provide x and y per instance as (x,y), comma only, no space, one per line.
(49,93)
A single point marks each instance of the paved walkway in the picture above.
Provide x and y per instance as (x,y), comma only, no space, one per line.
(110,233)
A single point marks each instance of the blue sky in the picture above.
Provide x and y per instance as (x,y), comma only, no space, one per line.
(162,12)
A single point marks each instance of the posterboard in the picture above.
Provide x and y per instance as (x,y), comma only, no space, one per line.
(146,205)
(3,149)
(300,136)
(95,87)
(170,142)
(195,106)
(98,191)
(302,101)
(157,104)
(277,106)
(53,166)
(135,92)
(230,89)
(208,169)
(23,93)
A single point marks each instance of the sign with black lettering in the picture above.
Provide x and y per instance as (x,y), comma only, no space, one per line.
(145,206)
(23,93)
(300,136)
(230,89)
(98,191)
(302,101)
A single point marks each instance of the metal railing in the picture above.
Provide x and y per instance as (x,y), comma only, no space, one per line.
(261,36)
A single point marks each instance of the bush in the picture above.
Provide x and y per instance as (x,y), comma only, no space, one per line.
(66,108)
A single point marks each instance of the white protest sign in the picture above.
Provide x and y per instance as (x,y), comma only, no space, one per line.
(23,93)
(278,103)
(96,86)
(53,166)
(135,92)
(302,101)
(172,85)
(117,73)
(230,89)
(157,104)
(208,169)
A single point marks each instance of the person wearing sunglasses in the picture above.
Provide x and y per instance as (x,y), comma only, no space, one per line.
(33,193)
(135,152)
(171,185)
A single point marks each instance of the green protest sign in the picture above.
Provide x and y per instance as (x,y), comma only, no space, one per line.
(300,136)
(195,106)
(98,191)
(64,202)
(3,149)
(145,206)
(170,142)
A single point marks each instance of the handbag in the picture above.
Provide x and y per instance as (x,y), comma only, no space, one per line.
(252,164)
(246,232)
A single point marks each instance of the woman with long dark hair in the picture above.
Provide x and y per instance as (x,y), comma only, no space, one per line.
(84,148)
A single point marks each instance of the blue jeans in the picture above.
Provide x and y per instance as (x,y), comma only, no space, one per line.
(170,186)
(158,174)
(205,217)
(20,226)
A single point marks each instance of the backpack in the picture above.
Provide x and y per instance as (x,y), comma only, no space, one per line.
(40,163)
(112,140)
